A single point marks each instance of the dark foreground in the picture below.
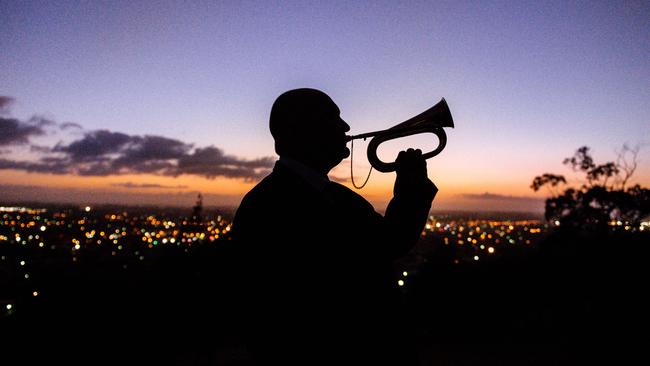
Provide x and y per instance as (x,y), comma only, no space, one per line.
(579,298)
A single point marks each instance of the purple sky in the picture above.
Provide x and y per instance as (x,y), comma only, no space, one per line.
(527,82)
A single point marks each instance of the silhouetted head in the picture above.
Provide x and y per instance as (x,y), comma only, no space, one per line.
(306,126)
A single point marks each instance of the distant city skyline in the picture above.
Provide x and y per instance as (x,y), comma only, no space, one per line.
(124,102)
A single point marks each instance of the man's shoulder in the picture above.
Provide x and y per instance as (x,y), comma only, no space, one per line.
(274,187)
(266,188)
(350,195)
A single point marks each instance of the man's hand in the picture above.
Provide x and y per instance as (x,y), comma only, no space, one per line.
(412,181)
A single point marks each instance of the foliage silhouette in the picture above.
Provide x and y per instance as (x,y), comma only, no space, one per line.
(602,198)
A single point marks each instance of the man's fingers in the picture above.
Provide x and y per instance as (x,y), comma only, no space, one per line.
(400,157)
(410,156)
(411,162)
(410,152)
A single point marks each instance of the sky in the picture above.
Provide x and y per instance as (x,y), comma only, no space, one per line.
(149,103)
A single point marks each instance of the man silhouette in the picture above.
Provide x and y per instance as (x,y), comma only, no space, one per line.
(315,273)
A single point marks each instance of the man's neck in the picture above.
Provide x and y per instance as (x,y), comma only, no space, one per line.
(309,164)
(315,178)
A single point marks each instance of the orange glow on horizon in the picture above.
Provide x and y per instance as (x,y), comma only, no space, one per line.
(185,183)
(378,190)
(459,188)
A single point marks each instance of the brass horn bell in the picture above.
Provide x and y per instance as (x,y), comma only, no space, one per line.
(432,120)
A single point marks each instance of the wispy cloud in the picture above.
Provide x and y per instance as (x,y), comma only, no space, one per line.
(70,125)
(342,179)
(51,166)
(179,198)
(498,197)
(147,185)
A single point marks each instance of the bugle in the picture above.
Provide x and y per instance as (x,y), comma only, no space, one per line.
(432,120)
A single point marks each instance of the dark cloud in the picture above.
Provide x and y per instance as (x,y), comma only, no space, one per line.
(5,102)
(212,162)
(16,132)
(148,149)
(94,144)
(51,167)
(147,185)
(103,152)
(40,149)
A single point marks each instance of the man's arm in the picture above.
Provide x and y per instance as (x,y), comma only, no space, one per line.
(413,194)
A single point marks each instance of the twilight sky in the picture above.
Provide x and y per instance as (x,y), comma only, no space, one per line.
(133,102)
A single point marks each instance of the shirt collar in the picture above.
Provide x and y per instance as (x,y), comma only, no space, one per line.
(311,176)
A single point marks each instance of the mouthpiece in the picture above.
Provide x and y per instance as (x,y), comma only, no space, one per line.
(349,138)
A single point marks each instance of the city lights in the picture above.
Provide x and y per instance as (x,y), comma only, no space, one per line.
(47,241)
(475,236)
(131,242)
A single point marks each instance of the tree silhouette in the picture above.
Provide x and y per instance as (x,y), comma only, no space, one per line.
(603,199)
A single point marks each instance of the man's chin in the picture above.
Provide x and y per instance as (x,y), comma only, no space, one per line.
(342,156)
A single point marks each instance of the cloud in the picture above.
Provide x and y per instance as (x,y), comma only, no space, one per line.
(104,152)
(498,197)
(70,125)
(40,149)
(5,102)
(93,145)
(16,132)
(150,149)
(51,166)
(343,179)
(147,185)
(212,162)
(28,194)
(41,121)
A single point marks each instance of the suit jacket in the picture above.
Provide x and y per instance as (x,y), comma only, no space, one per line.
(316,263)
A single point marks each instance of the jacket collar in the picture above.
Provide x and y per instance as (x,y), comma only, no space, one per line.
(309,175)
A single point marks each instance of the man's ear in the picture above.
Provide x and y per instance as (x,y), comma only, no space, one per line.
(288,143)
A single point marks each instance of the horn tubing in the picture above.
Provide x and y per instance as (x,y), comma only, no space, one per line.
(432,120)
(376,133)
(391,167)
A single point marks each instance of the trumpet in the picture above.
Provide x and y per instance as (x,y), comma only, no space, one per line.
(432,120)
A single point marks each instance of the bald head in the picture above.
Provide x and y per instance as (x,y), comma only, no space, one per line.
(306,125)
(297,108)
